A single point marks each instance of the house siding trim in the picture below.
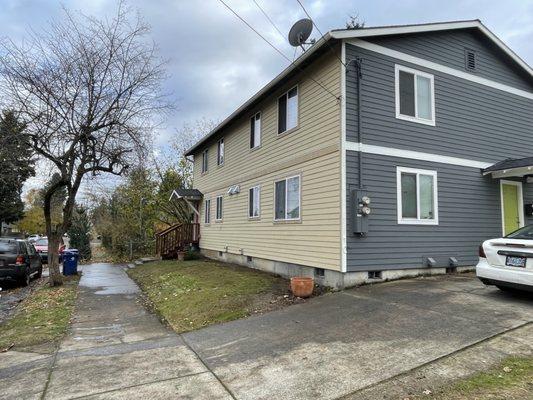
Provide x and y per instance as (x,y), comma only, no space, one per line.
(416,155)
(343,224)
(439,67)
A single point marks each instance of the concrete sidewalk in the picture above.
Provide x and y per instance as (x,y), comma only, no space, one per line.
(115,350)
(351,343)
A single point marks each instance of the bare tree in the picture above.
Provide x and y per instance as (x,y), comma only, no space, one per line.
(88,90)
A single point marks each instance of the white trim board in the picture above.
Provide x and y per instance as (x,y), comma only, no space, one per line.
(416,155)
(438,67)
(344,224)
(432,27)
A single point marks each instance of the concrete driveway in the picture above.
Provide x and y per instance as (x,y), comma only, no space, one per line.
(329,347)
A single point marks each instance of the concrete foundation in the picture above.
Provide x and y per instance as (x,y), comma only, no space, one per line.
(325,277)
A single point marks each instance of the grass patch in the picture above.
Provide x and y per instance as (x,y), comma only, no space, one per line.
(197,293)
(512,379)
(42,317)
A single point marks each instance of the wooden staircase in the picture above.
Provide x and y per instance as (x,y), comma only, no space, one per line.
(176,238)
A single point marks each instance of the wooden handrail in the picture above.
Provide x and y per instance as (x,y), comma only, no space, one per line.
(176,237)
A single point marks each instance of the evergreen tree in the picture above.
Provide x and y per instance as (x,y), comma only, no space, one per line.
(79,233)
(16,165)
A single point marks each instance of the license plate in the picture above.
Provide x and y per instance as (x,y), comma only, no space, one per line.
(512,261)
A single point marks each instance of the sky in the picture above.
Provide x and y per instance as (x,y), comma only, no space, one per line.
(216,62)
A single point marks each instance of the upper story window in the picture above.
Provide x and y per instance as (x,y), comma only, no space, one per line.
(207,211)
(288,110)
(254,202)
(417,196)
(255,131)
(287,199)
(218,215)
(415,97)
(220,152)
(205,156)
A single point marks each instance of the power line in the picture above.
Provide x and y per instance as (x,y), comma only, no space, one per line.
(277,50)
(269,19)
(321,34)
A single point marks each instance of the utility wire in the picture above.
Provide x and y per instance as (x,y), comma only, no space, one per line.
(269,19)
(321,34)
(276,49)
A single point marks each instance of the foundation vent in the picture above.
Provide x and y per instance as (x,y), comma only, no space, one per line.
(374,275)
(319,272)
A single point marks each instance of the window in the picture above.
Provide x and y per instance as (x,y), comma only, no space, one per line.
(417,196)
(287,199)
(218,215)
(254,202)
(207,211)
(220,152)
(255,131)
(415,100)
(288,110)
(204,161)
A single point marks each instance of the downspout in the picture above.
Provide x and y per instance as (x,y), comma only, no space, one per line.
(358,66)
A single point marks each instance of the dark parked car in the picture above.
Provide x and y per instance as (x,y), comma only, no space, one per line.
(19,261)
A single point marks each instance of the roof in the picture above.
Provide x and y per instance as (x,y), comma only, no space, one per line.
(510,163)
(341,34)
(187,194)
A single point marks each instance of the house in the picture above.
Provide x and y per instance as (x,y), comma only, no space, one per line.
(380,153)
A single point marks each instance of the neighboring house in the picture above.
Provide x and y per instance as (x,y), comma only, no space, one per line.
(288,179)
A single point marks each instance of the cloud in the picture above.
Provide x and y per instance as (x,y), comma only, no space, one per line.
(217,63)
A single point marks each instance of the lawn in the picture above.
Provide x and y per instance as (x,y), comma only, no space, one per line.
(511,380)
(193,294)
(41,317)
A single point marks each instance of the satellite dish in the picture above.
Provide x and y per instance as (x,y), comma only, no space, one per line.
(300,32)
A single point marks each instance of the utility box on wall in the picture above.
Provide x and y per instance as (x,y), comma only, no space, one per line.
(360,210)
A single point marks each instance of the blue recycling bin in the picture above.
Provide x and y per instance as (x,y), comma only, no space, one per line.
(70,262)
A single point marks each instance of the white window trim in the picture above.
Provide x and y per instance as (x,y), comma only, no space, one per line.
(258,187)
(520,203)
(207,211)
(220,164)
(416,221)
(397,69)
(287,130)
(216,209)
(256,146)
(286,198)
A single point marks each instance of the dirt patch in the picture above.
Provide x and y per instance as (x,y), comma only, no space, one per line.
(11,295)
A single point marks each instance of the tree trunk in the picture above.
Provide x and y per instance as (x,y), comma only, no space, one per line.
(54,235)
(54,241)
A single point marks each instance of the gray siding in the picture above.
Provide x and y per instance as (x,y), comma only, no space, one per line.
(469,213)
(448,48)
(472,120)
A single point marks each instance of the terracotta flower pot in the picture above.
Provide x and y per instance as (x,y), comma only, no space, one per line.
(302,286)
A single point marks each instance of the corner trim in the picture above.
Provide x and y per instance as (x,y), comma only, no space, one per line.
(344,225)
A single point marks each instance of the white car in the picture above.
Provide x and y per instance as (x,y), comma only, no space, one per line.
(507,262)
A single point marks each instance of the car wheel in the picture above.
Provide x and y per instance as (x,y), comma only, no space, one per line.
(506,289)
(26,279)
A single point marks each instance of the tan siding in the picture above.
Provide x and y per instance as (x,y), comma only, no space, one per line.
(311,150)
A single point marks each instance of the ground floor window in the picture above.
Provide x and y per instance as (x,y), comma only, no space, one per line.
(218,216)
(254,202)
(287,199)
(417,196)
